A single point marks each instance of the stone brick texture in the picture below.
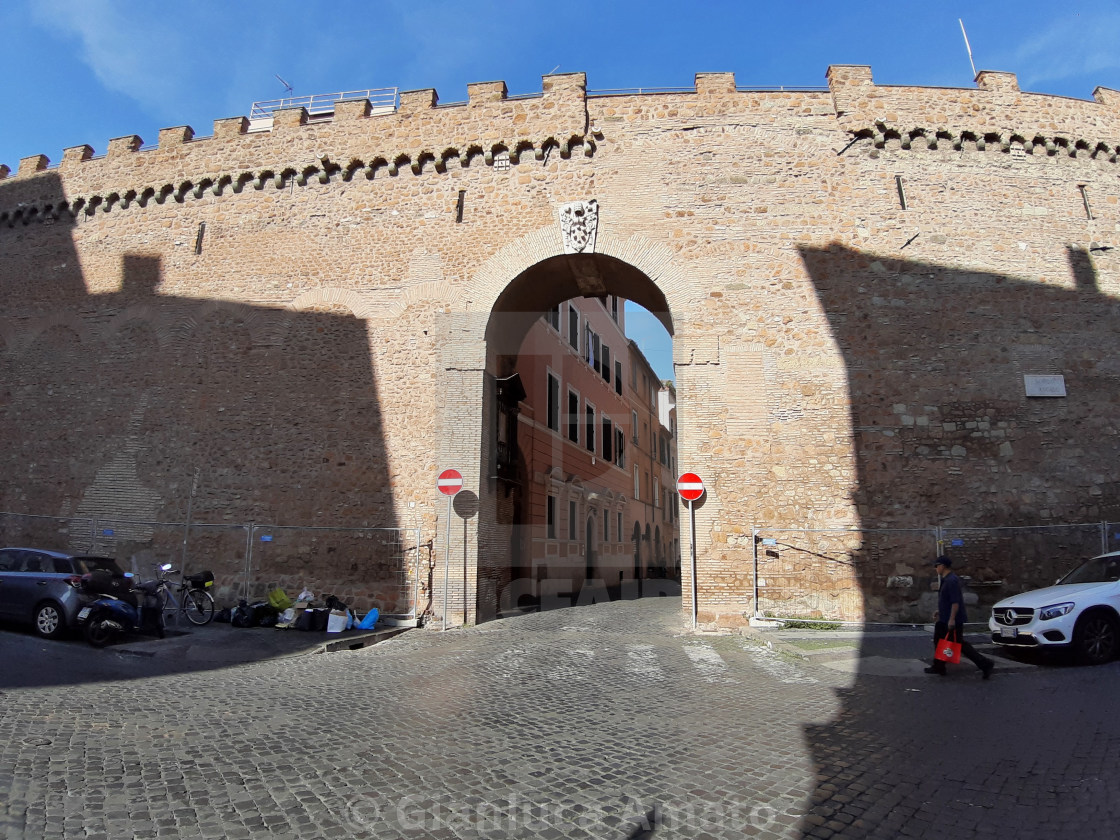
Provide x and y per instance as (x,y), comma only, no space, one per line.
(326,343)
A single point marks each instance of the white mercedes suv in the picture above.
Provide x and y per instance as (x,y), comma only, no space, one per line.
(1081,611)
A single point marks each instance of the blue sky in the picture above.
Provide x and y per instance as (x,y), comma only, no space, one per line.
(85,71)
(656,345)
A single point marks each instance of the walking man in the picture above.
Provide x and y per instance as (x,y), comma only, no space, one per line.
(950,618)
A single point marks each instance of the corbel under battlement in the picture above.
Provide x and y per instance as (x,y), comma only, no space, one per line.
(420,134)
(417,124)
(996,106)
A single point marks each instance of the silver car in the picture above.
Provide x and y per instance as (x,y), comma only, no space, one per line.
(43,588)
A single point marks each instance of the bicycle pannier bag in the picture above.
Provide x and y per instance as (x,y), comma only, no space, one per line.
(203,580)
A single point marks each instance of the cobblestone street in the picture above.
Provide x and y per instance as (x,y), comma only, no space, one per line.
(606,721)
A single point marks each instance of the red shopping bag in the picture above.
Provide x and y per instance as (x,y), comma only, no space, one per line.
(947,650)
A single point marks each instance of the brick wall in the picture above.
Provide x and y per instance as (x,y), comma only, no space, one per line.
(320,349)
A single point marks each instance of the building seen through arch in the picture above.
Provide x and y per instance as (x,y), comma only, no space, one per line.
(585,457)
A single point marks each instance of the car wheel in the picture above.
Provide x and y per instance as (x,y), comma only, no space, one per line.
(1096,638)
(50,621)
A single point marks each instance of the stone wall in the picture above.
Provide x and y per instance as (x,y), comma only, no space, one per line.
(299,316)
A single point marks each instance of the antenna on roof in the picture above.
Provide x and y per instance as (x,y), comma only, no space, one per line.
(287,86)
(553,70)
(967,47)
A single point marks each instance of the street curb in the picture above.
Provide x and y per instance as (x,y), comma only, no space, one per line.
(250,646)
(760,637)
(360,640)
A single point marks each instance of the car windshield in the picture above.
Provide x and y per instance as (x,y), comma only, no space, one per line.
(1098,570)
(88,564)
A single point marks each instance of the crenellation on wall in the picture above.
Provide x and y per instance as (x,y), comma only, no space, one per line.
(74,156)
(416,139)
(30,165)
(228,128)
(996,108)
(289,119)
(849,84)
(1108,97)
(714,84)
(486,93)
(171,138)
(412,101)
(996,81)
(121,146)
(346,110)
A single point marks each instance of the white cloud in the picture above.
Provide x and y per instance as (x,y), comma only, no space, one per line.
(128,49)
(1078,44)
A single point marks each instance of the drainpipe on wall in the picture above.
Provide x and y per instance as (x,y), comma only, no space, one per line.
(754,547)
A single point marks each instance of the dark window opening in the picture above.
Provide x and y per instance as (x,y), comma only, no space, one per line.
(553,403)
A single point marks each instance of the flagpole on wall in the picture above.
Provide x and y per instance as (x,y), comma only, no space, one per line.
(968,47)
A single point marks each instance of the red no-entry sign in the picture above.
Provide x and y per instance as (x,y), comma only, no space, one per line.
(450,482)
(690,487)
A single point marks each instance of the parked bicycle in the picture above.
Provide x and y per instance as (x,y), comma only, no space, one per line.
(189,596)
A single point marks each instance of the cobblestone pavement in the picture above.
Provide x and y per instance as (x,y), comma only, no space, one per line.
(606,721)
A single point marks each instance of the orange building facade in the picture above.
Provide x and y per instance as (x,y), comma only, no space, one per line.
(584,458)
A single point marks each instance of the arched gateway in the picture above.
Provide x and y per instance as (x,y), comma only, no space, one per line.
(892,311)
(512,290)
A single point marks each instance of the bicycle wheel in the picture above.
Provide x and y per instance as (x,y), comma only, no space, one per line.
(199,606)
(170,605)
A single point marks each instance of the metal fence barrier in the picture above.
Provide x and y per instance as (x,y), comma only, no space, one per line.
(386,568)
(887,575)
(877,574)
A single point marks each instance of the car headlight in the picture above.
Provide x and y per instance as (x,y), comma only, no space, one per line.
(1055,610)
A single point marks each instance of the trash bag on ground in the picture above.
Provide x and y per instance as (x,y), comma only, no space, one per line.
(243,615)
(279,599)
(369,621)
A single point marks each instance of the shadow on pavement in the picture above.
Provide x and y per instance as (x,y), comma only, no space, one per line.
(923,755)
(27,660)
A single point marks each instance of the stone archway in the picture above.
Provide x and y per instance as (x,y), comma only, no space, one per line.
(486,323)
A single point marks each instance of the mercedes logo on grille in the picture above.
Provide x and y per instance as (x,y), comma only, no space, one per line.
(1009,616)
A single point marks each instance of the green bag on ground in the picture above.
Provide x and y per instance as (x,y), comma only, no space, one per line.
(279,599)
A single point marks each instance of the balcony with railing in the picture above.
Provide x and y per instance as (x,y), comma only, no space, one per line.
(320,106)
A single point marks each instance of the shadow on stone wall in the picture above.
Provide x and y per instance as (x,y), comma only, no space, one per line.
(944,435)
(115,402)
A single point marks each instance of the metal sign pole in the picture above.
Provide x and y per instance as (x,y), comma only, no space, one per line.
(692,545)
(187,526)
(446,559)
(449,483)
(464,571)
(416,582)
